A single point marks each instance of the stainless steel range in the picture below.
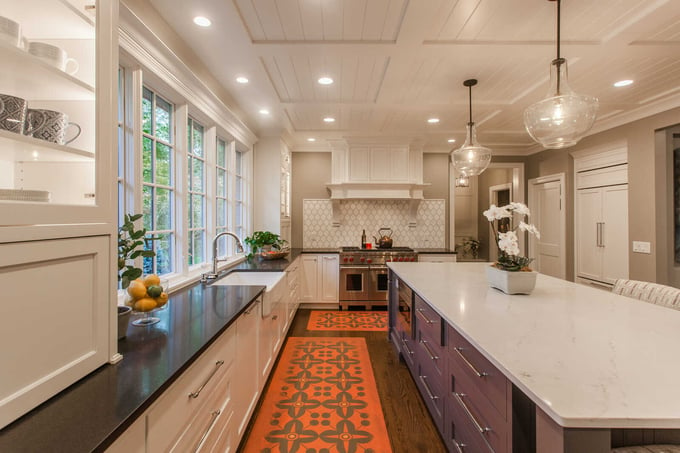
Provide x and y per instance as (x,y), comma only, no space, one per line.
(363,274)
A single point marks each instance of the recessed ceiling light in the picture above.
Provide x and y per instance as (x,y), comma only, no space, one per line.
(329,119)
(433,120)
(311,139)
(242,79)
(451,140)
(325,80)
(202,21)
(623,83)
(264,111)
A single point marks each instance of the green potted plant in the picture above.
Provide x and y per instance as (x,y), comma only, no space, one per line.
(264,241)
(131,243)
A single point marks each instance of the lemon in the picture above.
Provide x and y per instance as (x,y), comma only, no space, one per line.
(145,304)
(136,290)
(152,280)
(162,299)
(154,291)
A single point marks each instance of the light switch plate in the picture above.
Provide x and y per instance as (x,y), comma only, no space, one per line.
(642,247)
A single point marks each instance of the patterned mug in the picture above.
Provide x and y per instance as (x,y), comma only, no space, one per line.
(13,112)
(50,125)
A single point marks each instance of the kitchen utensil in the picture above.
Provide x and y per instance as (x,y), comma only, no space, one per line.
(10,31)
(50,125)
(385,239)
(54,55)
(13,113)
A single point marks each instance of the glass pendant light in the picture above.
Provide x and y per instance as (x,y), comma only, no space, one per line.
(563,117)
(462,181)
(471,159)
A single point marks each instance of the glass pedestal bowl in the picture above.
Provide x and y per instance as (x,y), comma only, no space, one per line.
(150,300)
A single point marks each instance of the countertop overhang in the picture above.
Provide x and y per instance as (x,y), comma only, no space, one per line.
(588,358)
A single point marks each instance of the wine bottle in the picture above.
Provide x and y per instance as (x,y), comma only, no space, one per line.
(363,239)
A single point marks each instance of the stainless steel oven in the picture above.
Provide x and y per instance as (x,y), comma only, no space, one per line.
(363,274)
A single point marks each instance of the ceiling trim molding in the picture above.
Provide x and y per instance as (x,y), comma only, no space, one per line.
(147,49)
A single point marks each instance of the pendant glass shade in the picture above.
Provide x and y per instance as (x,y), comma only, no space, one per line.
(563,117)
(471,159)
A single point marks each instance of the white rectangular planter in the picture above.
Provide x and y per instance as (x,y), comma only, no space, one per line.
(511,282)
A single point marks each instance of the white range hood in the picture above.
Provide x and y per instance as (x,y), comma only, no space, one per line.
(376,169)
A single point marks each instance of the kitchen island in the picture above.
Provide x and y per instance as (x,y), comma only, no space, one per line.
(588,359)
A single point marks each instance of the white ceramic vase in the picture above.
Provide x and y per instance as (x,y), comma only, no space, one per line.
(511,282)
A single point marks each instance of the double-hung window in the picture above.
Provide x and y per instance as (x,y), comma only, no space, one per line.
(223,193)
(158,184)
(240,185)
(196,167)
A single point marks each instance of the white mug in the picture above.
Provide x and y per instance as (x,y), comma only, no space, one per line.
(54,55)
(50,125)
(10,31)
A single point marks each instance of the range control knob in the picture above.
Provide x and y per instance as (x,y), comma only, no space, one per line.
(369,261)
(351,259)
(413,258)
(387,260)
(344,259)
(362,259)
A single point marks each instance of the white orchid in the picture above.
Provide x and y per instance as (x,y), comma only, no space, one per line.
(496,213)
(508,243)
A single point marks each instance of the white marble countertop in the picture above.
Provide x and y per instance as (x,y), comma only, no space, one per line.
(587,357)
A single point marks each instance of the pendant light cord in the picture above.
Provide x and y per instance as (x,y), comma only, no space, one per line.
(559,61)
(470,123)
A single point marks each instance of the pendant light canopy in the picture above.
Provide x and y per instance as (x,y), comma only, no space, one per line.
(563,117)
(471,159)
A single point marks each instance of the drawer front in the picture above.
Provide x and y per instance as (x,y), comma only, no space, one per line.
(428,321)
(491,425)
(464,359)
(431,355)
(432,390)
(460,435)
(170,416)
(408,349)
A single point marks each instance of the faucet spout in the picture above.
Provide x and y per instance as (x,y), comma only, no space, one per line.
(239,249)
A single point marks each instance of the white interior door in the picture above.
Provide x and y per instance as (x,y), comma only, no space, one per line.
(548,214)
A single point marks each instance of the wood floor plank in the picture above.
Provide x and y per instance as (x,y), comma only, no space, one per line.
(409,425)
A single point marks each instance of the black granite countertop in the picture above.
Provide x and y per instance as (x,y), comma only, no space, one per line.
(322,250)
(90,414)
(256,264)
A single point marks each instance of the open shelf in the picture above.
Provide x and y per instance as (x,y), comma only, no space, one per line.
(21,148)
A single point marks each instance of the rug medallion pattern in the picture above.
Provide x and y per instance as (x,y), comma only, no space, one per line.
(364,321)
(322,399)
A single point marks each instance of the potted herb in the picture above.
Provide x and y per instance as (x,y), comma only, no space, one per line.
(131,243)
(264,241)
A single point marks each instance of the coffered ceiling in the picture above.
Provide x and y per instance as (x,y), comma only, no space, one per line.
(396,63)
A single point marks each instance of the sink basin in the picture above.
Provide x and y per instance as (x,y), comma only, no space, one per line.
(268,279)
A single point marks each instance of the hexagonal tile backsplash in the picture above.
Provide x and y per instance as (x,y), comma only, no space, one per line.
(356,215)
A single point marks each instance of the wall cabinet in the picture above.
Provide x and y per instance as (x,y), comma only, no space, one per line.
(319,278)
(602,233)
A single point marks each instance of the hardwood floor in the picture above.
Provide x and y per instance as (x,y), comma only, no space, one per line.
(409,425)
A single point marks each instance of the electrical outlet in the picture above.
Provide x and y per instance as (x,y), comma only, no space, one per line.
(642,247)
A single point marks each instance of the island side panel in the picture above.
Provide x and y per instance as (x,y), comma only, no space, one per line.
(552,438)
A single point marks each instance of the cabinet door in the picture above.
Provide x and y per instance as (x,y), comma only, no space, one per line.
(55,311)
(589,255)
(329,273)
(58,173)
(246,380)
(309,287)
(358,167)
(614,233)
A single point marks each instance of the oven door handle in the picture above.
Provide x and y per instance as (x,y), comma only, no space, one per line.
(363,268)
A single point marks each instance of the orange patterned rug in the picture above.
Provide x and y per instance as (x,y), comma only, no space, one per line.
(322,399)
(365,321)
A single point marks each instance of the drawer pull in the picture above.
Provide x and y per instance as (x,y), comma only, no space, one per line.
(430,395)
(425,318)
(432,355)
(248,311)
(406,347)
(213,419)
(459,350)
(459,398)
(459,446)
(198,391)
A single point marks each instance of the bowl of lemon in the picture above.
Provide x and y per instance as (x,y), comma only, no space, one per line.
(147,295)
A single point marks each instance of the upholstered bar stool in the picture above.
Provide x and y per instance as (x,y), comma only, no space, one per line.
(654,293)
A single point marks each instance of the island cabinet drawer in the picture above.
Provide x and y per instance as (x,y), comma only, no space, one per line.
(433,391)
(190,401)
(428,321)
(430,353)
(408,349)
(465,361)
(460,435)
(470,407)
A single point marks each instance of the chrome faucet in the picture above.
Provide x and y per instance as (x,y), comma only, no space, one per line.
(239,249)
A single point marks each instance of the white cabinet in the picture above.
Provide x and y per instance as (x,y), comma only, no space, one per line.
(602,233)
(292,301)
(247,382)
(270,328)
(319,278)
(378,163)
(437,257)
(133,440)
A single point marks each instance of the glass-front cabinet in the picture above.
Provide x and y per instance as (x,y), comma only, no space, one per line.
(57,196)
